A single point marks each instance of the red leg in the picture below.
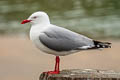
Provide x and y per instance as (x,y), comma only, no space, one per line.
(57,64)
(56,70)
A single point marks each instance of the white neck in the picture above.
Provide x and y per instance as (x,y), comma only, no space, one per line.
(39,27)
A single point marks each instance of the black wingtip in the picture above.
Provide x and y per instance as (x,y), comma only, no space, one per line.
(99,44)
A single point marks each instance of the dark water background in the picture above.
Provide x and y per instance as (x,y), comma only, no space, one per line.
(94,18)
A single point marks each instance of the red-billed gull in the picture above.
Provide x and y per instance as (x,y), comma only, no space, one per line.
(57,40)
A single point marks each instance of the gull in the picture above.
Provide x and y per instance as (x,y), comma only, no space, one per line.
(58,41)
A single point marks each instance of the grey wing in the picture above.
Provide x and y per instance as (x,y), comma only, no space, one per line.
(60,39)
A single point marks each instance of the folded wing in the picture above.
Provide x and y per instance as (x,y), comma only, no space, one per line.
(61,39)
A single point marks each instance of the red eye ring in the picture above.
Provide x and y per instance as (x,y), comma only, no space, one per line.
(35,17)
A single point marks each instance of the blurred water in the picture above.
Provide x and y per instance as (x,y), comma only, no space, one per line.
(89,17)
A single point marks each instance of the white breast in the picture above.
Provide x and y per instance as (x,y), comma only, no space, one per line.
(34,36)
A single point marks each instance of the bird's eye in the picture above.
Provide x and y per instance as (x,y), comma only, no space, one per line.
(35,17)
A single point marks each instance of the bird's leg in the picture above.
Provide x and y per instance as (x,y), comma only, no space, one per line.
(56,70)
(57,64)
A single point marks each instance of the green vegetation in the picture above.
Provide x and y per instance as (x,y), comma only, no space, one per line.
(99,17)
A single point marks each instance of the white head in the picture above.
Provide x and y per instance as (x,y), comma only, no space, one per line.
(37,18)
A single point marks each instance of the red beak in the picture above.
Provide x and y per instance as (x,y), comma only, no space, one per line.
(25,21)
